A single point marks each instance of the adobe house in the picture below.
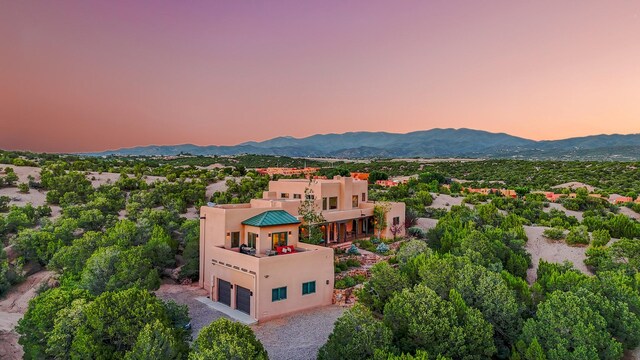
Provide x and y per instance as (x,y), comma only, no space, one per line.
(251,258)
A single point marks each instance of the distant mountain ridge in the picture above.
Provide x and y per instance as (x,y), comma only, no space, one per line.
(434,143)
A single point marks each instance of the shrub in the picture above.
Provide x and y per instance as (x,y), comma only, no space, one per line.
(23,188)
(554,233)
(417,232)
(345,282)
(353,250)
(600,237)
(382,248)
(578,235)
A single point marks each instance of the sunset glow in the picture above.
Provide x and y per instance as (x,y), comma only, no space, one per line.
(88,76)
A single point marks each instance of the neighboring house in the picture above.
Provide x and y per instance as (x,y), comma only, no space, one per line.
(251,258)
(360,176)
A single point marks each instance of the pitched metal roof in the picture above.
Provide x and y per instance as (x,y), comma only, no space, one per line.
(271,218)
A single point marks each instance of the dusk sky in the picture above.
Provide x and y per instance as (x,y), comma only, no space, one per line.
(95,75)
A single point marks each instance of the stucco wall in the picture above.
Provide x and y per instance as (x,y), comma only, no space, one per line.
(292,270)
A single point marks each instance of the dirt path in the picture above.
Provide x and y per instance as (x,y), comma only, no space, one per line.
(12,307)
(576,214)
(552,251)
(630,213)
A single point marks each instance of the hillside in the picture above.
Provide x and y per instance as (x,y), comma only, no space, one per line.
(430,143)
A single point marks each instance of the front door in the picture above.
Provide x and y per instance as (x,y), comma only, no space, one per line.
(224,292)
(243,300)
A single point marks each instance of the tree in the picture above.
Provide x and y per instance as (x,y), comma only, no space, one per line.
(311,217)
(578,235)
(155,341)
(356,335)
(34,328)
(226,339)
(112,318)
(380,211)
(420,319)
(160,249)
(521,191)
(600,237)
(376,175)
(567,327)
(385,282)
(111,269)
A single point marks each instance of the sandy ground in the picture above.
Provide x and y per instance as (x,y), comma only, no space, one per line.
(34,197)
(574,185)
(552,251)
(221,185)
(630,213)
(443,201)
(12,307)
(426,223)
(576,214)
(298,336)
(98,179)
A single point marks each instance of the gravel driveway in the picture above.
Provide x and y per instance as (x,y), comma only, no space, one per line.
(298,336)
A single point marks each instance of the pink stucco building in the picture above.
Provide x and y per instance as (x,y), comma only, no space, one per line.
(251,258)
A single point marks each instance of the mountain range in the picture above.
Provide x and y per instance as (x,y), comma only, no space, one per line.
(434,143)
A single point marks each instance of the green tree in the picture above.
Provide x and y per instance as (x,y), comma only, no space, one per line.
(225,339)
(34,328)
(356,335)
(385,281)
(376,175)
(311,217)
(420,319)
(112,319)
(567,327)
(578,235)
(380,217)
(600,237)
(156,341)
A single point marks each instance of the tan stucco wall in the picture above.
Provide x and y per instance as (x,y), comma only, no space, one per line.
(292,270)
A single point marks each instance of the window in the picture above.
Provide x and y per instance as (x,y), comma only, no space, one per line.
(235,239)
(284,195)
(297,196)
(324,204)
(333,203)
(354,201)
(309,288)
(396,220)
(279,239)
(310,197)
(252,239)
(278,294)
(364,196)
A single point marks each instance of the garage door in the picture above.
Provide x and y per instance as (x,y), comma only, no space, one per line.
(224,292)
(243,300)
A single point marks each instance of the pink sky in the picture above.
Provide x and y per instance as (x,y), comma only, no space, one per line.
(89,75)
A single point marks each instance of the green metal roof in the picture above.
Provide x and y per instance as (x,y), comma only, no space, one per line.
(271,218)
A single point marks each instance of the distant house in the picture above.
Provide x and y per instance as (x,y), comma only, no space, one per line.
(251,258)
(622,200)
(360,176)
